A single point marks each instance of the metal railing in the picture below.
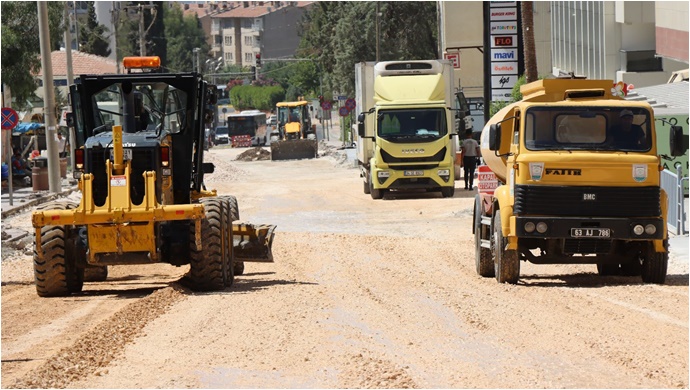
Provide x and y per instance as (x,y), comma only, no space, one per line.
(673,184)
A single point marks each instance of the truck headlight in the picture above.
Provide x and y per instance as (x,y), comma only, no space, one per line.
(638,230)
(444,174)
(541,227)
(383,176)
(529,227)
(650,229)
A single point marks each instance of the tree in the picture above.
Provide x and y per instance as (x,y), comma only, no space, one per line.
(21,46)
(527,11)
(128,37)
(408,32)
(183,34)
(92,35)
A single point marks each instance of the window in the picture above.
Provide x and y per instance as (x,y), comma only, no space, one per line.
(228,40)
(248,40)
(248,58)
(247,23)
(228,57)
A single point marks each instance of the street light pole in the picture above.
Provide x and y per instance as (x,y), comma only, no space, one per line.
(54,184)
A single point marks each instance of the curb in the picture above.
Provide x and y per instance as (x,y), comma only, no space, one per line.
(36,201)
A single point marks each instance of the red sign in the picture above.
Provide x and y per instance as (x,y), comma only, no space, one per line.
(350,104)
(487,180)
(454,57)
(503,41)
(343,111)
(326,105)
(10,118)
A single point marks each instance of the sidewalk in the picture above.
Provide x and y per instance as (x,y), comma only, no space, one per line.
(24,197)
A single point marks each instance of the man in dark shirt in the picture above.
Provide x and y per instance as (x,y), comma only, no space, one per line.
(627,135)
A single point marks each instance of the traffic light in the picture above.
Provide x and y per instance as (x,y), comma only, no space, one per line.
(258,60)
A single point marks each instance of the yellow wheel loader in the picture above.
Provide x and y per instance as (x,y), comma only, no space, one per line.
(294,136)
(140,163)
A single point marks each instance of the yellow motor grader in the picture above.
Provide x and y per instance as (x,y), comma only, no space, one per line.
(294,136)
(140,163)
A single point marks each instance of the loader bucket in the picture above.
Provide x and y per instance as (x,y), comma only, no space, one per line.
(294,149)
(252,242)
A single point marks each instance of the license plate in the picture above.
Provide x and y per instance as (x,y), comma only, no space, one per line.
(414,173)
(126,154)
(590,232)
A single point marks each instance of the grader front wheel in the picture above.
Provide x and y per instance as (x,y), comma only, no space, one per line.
(209,266)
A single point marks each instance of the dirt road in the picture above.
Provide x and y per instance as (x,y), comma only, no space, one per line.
(363,293)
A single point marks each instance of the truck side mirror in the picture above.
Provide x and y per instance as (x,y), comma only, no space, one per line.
(495,137)
(360,128)
(360,117)
(69,118)
(678,141)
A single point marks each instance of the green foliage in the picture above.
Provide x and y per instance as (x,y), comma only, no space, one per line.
(183,33)
(299,78)
(128,37)
(21,45)
(244,97)
(408,31)
(92,35)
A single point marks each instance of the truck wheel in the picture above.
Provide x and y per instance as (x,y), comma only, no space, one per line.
(209,266)
(506,262)
(448,192)
(367,191)
(57,273)
(96,274)
(654,265)
(482,256)
(375,194)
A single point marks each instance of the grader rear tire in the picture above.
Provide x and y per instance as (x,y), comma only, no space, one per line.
(237,266)
(209,266)
(56,274)
(96,274)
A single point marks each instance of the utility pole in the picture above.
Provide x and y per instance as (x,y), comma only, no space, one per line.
(115,20)
(70,80)
(142,33)
(54,182)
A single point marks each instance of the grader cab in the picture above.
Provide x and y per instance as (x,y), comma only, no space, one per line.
(140,163)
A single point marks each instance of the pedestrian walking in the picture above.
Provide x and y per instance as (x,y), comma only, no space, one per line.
(469,155)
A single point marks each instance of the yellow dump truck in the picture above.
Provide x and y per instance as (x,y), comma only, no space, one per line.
(579,183)
(294,136)
(140,165)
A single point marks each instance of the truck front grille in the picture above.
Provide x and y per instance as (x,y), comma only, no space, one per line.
(587,201)
(436,158)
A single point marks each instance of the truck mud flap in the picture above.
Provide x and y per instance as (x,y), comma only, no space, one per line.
(294,149)
(253,242)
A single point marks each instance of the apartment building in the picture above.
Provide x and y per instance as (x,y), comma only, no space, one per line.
(239,30)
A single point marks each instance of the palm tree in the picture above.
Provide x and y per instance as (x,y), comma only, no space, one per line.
(527,10)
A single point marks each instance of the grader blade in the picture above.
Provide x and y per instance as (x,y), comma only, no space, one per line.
(253,242)
(294,149)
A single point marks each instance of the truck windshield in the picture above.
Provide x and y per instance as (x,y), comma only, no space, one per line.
(412,125)
(588,128)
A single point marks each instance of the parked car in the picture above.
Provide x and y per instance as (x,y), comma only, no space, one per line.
(222,136)
(272,120)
